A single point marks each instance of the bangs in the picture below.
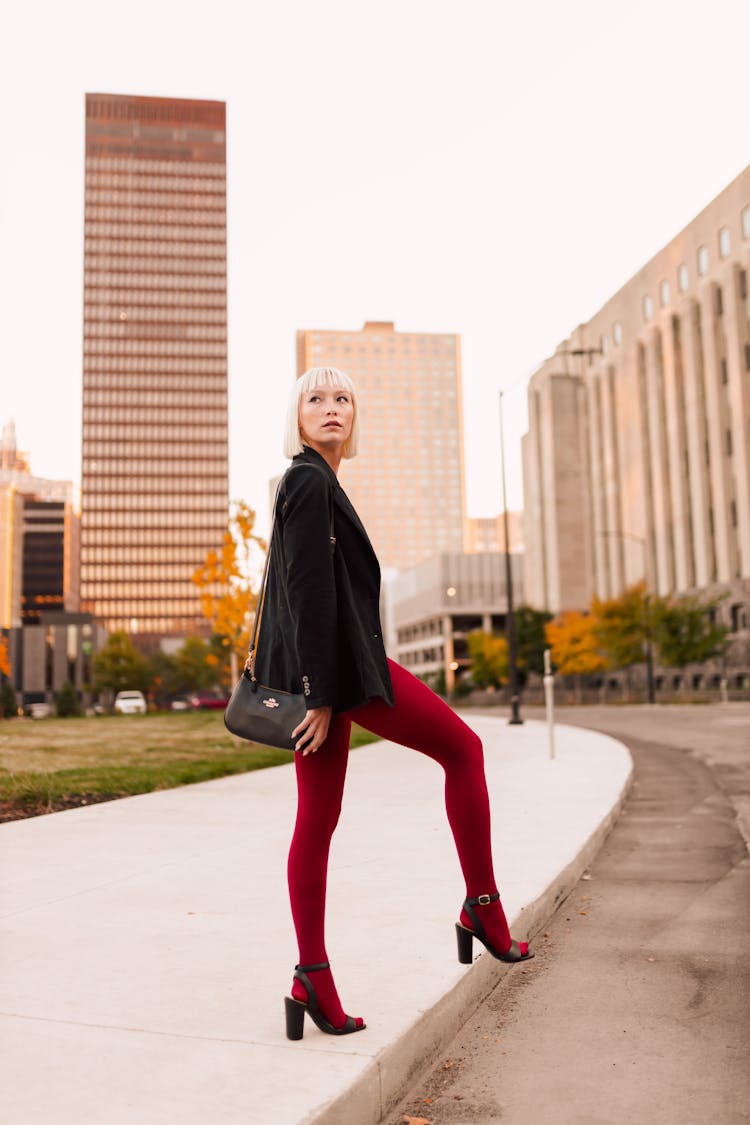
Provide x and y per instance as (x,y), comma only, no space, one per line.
(324,377)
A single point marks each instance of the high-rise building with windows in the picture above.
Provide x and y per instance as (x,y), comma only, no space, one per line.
(39,540)
(407,481)
(154,481)
(488,534)
(637,458)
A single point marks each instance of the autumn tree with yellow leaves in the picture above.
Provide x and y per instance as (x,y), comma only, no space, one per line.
(489,658)
(228,581)
(574,645)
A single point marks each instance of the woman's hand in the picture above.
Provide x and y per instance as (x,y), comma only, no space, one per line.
(313,729)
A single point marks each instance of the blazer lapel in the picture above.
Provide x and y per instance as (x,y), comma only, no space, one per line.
(343,502)
(340,499)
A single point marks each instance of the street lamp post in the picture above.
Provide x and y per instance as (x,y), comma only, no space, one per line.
(515,717)
(647,602)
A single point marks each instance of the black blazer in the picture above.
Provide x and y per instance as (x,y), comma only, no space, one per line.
(320,630)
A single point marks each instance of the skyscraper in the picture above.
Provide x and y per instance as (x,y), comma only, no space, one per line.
(154,491)
(39,540)
(407,481)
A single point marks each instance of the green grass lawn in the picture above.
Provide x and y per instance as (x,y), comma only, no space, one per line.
(52,764)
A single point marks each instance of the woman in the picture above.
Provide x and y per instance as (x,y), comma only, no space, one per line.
(321,634)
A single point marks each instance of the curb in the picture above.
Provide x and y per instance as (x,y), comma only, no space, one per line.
(382,1086)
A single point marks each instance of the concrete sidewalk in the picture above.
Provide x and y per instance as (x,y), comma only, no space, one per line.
(147,943)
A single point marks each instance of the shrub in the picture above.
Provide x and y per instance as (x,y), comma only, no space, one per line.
(68,703)
(8,705)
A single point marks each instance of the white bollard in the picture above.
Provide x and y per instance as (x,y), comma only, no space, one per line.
(549,701)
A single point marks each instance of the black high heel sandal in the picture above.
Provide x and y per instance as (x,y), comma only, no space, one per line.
(465,936)
(295,1009)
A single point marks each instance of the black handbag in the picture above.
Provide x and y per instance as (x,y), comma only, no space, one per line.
(256,712)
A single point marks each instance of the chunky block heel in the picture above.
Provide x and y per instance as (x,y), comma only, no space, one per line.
(295,1017)
(464,939)
(465,936)
(296,1009)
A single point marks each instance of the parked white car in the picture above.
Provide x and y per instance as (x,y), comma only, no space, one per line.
(130,703)
(40,710)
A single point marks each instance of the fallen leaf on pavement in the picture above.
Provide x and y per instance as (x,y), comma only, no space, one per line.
(415,1120)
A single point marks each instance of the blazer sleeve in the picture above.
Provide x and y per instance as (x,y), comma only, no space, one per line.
(310,582)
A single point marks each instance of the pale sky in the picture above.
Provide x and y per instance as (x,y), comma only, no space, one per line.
(492,169)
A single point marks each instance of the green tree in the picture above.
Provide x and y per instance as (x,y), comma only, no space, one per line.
(489,658)
(68,704)
(435,681)
(8,704)
(196,665)
(530,640)
(162,667)
(118,666)
(685,631)
(624,624)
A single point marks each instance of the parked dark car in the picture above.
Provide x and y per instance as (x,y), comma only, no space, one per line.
(208,701)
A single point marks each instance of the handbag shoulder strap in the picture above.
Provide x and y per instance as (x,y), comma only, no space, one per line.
(250,662)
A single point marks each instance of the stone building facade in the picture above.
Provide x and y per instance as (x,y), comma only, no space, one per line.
(637,456)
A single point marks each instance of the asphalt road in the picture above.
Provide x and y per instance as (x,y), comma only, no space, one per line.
(636,1008)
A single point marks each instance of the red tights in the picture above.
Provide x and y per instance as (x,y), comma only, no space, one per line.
(422,721)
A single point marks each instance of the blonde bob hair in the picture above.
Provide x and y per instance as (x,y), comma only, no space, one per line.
(318,377)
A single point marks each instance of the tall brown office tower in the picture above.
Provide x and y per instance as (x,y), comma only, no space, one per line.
(407,481)
(154,474)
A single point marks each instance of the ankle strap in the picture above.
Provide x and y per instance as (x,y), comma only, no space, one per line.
(312,968)
(480,900)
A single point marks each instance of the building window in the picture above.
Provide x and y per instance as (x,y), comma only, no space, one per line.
(746,222)
(739,617)
(617,333)
(702,260)
(682,278)
(725,242)
(664,294)
(648,308)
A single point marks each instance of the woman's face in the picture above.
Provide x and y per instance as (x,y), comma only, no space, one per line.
(326,416)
